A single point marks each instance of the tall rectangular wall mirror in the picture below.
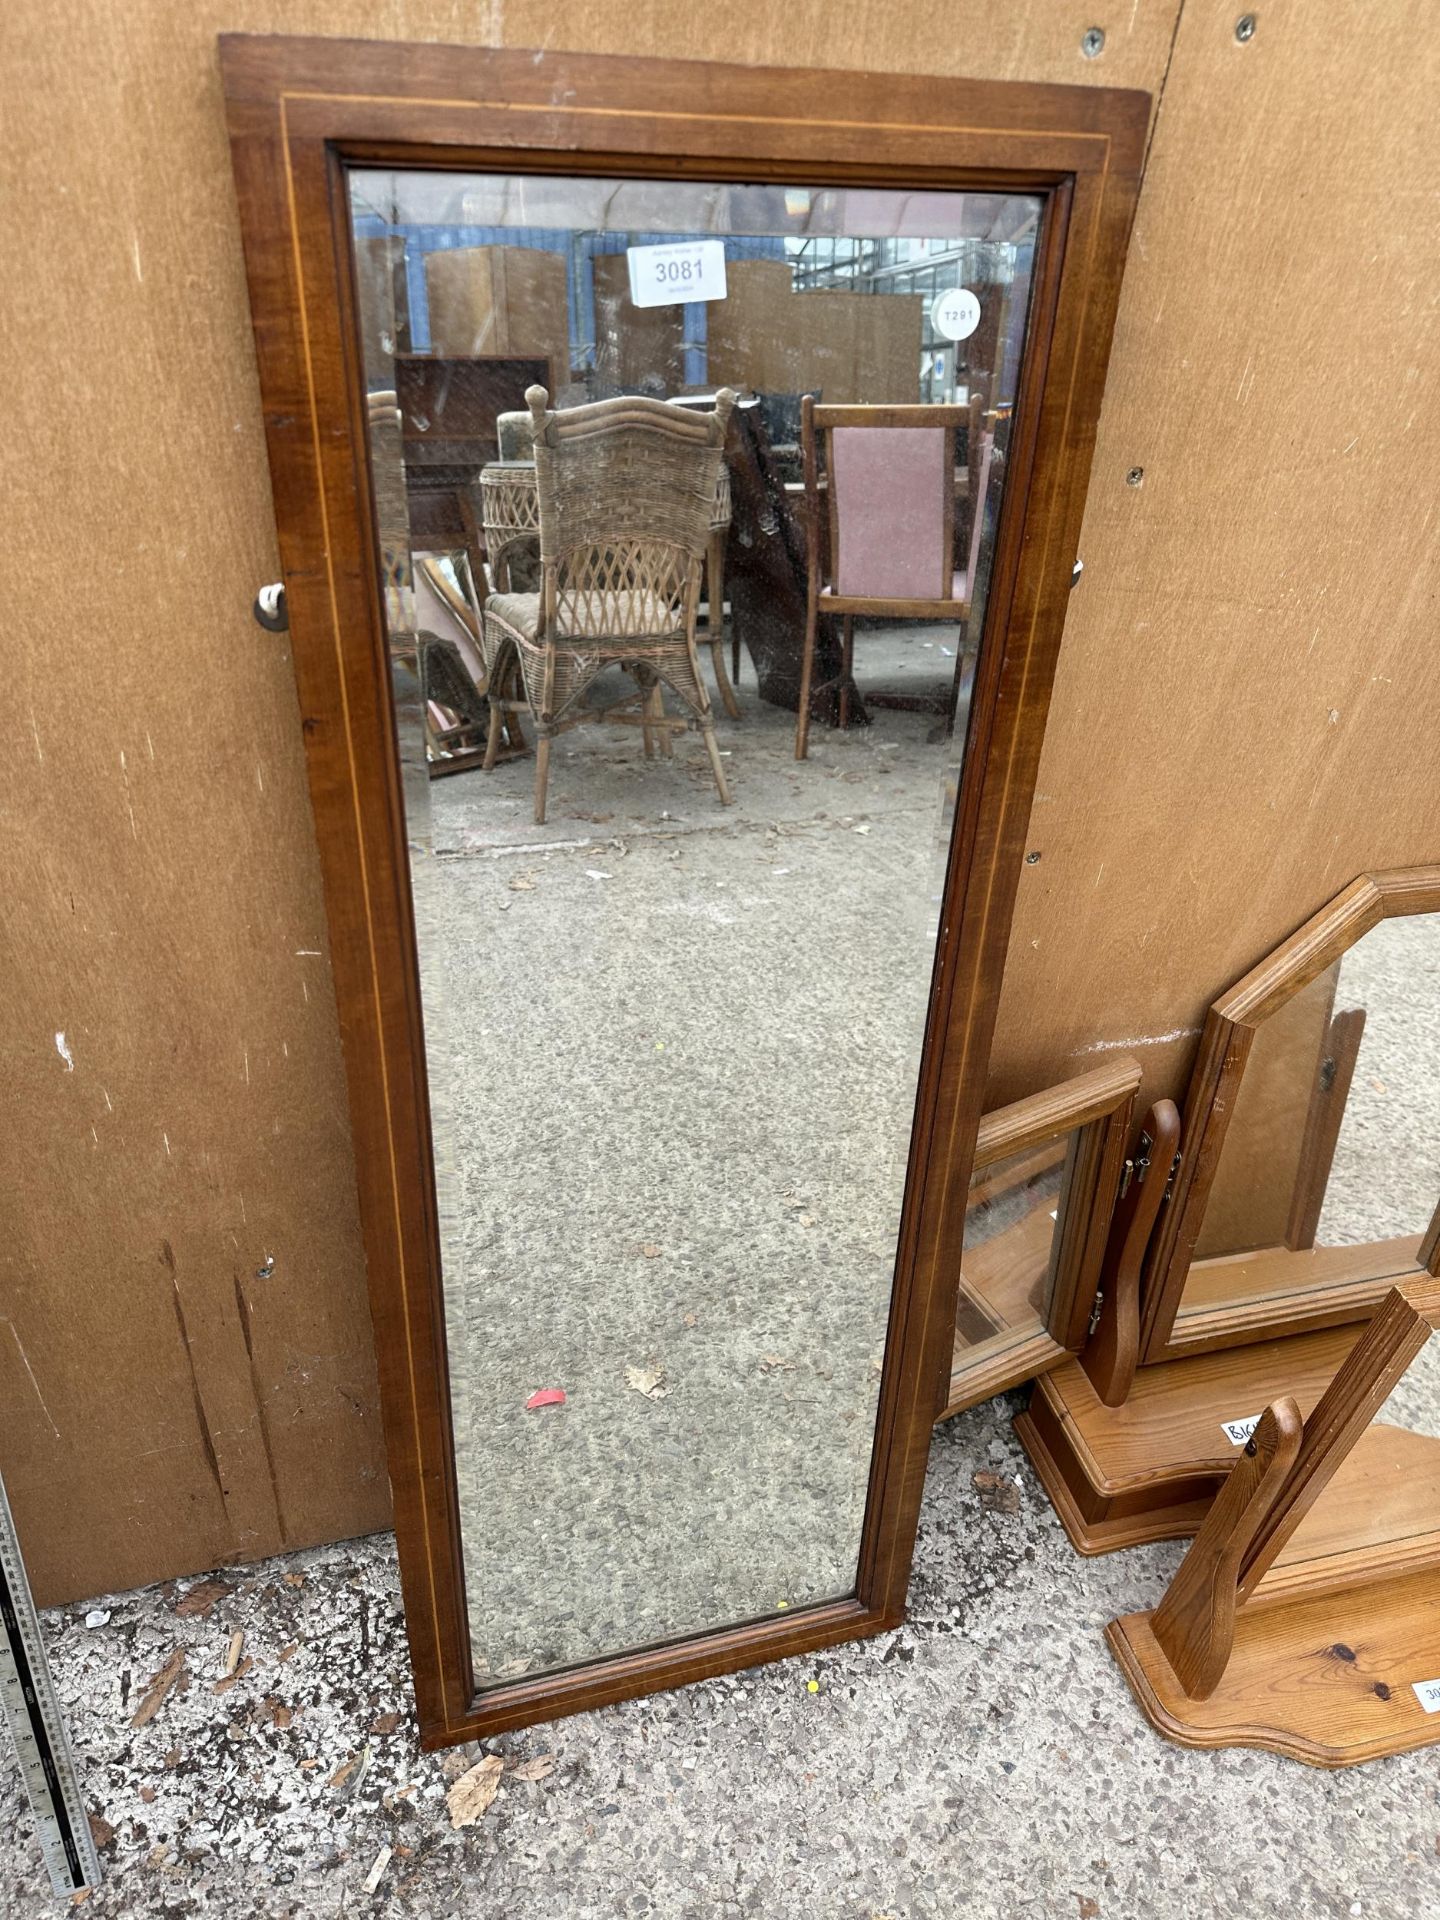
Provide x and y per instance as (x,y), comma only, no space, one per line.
(678,473)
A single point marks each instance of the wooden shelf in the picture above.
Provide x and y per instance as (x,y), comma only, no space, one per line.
(1329,1680)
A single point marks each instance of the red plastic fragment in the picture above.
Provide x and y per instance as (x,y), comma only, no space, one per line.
(547,1397)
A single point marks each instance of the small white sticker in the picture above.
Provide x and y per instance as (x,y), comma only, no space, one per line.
(680,270)
(956,314)
(1427,1692)
(1237,1432)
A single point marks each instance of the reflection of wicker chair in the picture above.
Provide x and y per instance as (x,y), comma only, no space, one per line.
(512,527)
(626,492)
(715,594)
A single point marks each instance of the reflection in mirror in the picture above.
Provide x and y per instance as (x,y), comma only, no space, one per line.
(1036,1224)
(674,978)
(1329,1170)
(1012,1235)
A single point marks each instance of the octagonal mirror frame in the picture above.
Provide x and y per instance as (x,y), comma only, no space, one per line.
(1348,1287)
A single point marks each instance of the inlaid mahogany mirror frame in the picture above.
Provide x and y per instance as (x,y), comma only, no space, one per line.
(301,113)
(1348,1283)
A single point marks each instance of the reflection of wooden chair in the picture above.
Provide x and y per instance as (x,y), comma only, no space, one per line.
(626,491)
(889,501)
(715,572)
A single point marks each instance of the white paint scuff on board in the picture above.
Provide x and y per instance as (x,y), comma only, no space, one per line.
(1142,1040)
(62,1047)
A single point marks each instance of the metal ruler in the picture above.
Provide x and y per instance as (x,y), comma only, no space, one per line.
(38,1727)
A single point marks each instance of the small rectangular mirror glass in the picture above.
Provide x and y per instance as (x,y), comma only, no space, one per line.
(1012,1238)
(675,956)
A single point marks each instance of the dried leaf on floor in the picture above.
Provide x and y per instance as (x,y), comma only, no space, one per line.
(224,1684)
(546,1397)
(772,1363)
(473,1792)
(539,1768)
(288,1653)
(998,1493)
(345,1772)
(1089,1909)
(199,1600)
(101,1832)
(647,1380)
(157,1687)
(651,1251)
(522,883)
(147,1794)
(387,1723)
(294,1579)
(278,1712)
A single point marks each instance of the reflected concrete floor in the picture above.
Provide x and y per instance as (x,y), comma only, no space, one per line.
(673,1053)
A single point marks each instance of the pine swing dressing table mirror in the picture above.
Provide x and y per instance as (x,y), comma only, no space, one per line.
(1310,1183)
(664,1105)
(1306,1188)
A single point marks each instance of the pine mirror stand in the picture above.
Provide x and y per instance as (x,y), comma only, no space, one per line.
(1303,1617)
(1299,1194)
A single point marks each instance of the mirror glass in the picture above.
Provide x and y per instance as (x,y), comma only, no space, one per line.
(1012,1243)
(1329,1170)
(675,957)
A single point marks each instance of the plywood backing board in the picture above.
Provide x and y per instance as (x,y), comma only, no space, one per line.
(499,300)
(1246,706)
(164,910)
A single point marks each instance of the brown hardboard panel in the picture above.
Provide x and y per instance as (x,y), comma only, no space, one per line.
(1027,40)
(1246,707)
(163,908)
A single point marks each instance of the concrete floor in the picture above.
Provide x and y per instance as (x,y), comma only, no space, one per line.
(987,1759)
